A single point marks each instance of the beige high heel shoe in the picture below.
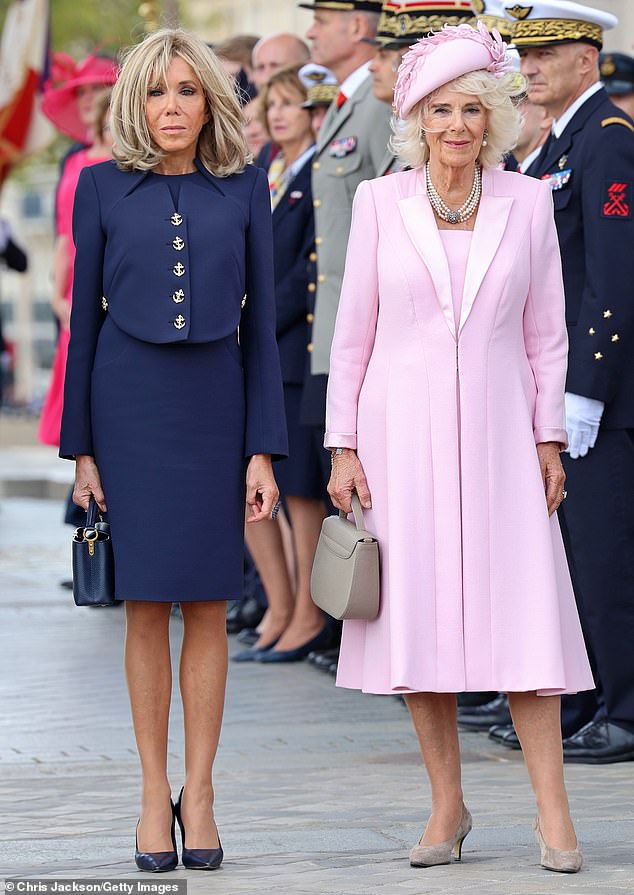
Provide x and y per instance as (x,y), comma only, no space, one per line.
(556,859)
(432,855)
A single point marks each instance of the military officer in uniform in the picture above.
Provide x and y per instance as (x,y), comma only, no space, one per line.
(351,147)
(589,163)
(401,25)
(617,74)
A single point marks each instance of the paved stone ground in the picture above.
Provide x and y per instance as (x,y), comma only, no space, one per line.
(318,790)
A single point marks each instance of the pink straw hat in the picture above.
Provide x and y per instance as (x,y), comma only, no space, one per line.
(59,101)
(446,55)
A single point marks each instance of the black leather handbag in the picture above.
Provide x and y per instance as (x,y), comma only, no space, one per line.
(93,562)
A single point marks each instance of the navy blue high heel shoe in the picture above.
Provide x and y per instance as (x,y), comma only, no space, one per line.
(158,861)
(197,858)
(320,641)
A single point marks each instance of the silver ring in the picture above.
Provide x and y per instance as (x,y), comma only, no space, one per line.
(276,509)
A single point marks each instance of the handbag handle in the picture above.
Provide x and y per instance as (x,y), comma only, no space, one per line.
(91,513)
(357,512)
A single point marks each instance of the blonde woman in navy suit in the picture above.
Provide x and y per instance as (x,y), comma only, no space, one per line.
(171,419)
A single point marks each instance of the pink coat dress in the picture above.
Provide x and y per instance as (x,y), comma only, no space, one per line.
(475,588)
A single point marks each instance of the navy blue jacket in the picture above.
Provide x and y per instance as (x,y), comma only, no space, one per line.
(591,168)
(175,277)
(293,243)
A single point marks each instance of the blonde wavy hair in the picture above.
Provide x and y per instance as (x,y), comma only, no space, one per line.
(497,95)
(222,147)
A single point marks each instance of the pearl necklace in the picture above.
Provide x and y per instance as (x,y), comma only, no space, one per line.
(467,210)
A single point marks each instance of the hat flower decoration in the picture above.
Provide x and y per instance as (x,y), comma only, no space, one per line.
(444,56)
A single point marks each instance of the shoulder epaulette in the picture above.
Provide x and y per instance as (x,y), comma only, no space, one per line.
(608,121)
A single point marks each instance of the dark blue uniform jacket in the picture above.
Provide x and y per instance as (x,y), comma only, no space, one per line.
(171,276)
(591,170)
(293,241)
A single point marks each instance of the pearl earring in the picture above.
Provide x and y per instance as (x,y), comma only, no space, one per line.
(485,138)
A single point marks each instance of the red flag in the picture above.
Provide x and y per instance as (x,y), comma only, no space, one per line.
(23,53)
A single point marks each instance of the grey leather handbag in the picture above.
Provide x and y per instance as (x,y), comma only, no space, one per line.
(345,577)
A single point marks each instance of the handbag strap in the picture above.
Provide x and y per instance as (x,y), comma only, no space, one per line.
(357,512)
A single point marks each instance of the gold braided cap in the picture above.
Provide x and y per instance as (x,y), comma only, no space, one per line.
(400,21)
(322,93)
(540,32)
(504,26)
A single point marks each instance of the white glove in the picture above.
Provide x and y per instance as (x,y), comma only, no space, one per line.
(583,416)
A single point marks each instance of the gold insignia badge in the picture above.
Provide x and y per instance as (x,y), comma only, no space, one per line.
(520,12)
(562,162)
(608,67)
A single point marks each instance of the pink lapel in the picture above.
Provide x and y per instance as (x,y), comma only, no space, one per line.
(420,224)
(490,225)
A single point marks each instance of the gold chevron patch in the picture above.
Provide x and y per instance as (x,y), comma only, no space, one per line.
(608,121)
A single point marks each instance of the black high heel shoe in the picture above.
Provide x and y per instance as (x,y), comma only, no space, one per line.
(158,861)
(197,858)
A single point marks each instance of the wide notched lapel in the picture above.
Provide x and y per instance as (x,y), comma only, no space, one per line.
(490,226)
(420,224)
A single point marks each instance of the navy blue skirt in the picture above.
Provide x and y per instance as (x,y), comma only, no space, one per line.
(299,474)
(168,427)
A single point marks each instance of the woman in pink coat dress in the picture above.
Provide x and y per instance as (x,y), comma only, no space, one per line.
(446,414)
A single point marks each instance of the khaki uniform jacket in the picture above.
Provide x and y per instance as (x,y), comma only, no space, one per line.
(352,147)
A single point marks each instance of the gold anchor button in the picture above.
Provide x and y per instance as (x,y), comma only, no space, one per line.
(176,219)
(179,269)
(178,296)
(178,243)
(179,323)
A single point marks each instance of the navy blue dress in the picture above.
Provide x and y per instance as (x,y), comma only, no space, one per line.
(160,387)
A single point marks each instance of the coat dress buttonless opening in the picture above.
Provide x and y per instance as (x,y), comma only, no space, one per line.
(444,402)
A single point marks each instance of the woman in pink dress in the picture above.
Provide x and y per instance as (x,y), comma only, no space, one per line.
(446,415)
(64,258)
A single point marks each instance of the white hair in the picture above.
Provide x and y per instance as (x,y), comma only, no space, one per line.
(503,118)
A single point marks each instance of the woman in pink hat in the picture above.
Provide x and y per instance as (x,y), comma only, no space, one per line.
(446,415)
(76,100)
(64,257)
